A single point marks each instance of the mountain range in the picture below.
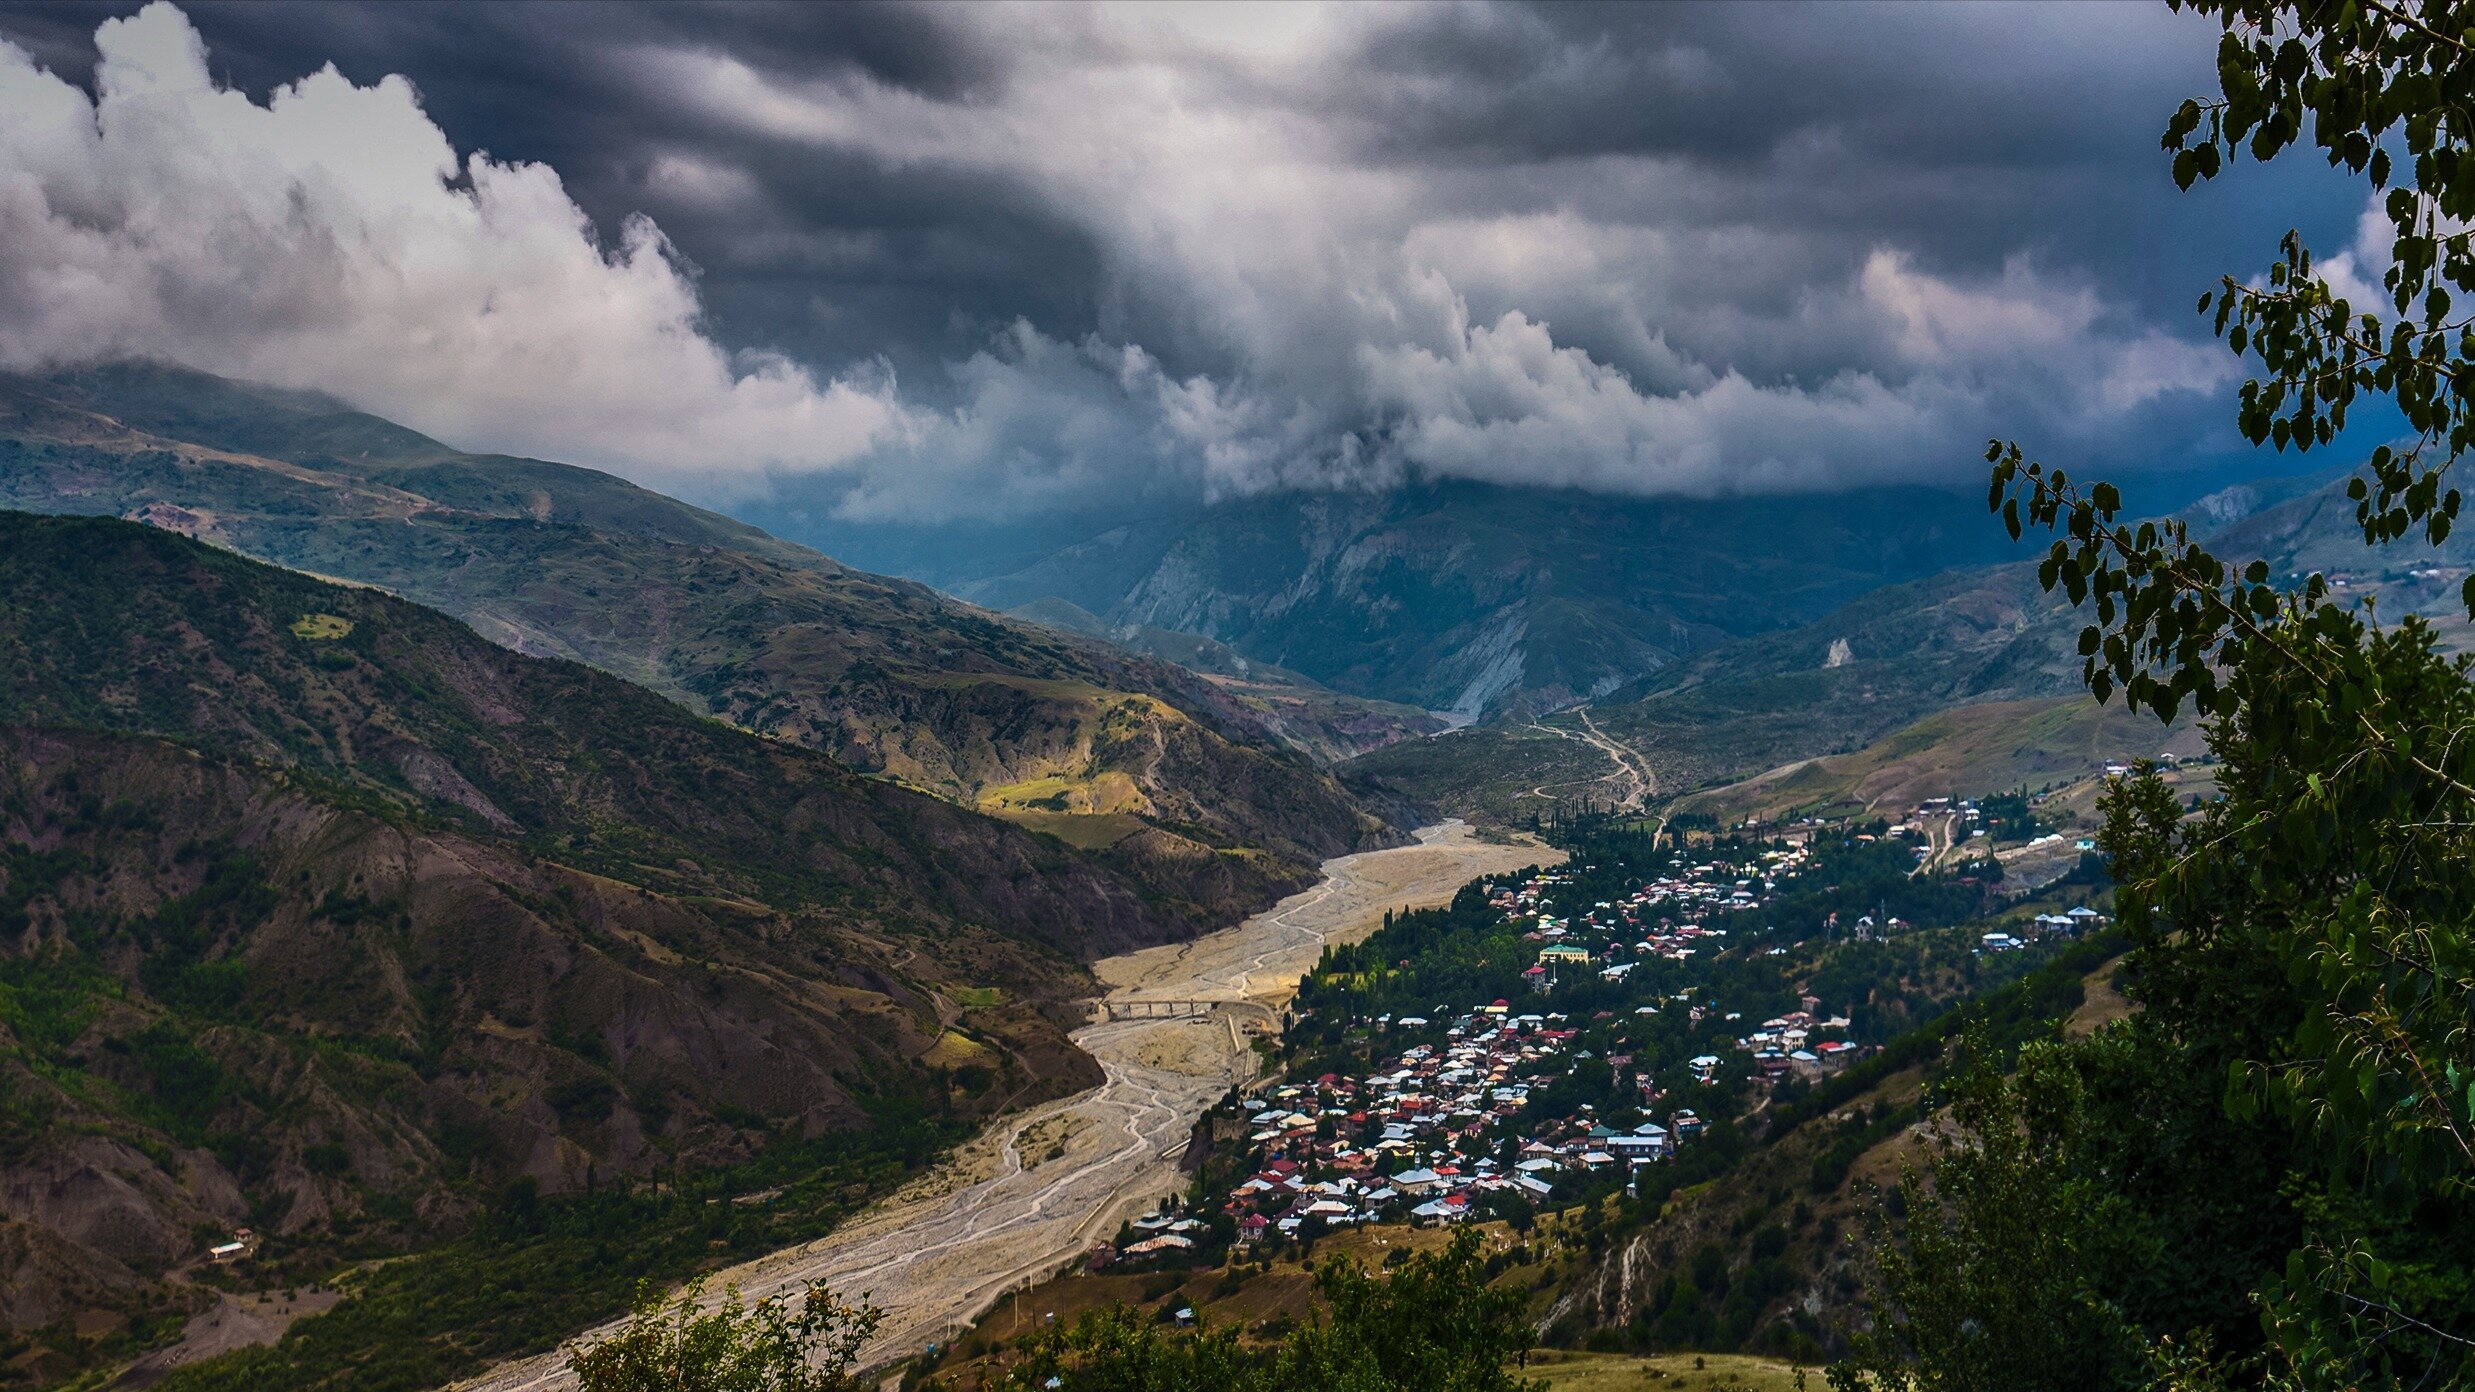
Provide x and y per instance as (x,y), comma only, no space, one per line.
(387,825)
(1194,785)
(1471,599)
(327,916)
(1965,637)
(1174,694)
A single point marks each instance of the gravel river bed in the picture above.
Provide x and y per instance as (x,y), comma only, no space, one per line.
(1039,1187)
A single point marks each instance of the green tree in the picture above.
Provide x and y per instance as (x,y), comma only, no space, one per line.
(1432,1325)
(684,1344)
(2000,1278)
(2306,939)
(1123,1350)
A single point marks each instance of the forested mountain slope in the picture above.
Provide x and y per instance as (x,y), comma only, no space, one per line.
(886,675)
(320,914)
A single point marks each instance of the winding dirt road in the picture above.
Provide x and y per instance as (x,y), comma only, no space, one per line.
(1641,783)
(1037,1189)
(1636,782)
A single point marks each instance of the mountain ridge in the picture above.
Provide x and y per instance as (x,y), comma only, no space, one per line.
(1898,653)
(1475,599)
(885,674)
(323,915)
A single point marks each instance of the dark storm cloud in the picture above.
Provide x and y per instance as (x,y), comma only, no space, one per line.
(836,259)
(1007,258)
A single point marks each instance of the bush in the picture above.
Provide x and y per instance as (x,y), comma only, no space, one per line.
(680,1345)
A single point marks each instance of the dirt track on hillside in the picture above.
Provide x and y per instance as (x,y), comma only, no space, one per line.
(1039,1188)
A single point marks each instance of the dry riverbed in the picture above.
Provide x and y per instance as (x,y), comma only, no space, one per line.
(1038,1188)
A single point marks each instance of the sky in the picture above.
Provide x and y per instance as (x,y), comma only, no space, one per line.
(947,264)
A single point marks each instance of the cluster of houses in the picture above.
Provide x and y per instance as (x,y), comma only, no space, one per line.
(1159,1234)
(1421,1138)
(1964,816)
(1935,809)
(1793,1044)
(1865,929)
(2068,924)
(1656,920)
(1443,1130)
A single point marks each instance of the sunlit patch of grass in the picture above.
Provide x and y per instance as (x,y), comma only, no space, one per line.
(1082,831)
(1668,1372)
(1107,791)
(321,627)
(953,1050)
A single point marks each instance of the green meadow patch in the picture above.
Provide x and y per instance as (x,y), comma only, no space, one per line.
(321,627)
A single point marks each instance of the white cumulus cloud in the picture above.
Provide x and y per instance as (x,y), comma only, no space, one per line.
(333,239)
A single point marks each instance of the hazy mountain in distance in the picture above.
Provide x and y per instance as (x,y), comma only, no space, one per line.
(1875,665)
(1327,724)
(1475,599)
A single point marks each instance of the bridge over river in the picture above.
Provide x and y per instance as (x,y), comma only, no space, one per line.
(1158,1009)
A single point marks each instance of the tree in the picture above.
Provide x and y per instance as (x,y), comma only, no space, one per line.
(1431,1326)
(2009,1271)
(1120,1350)
(684,1345)
(2307,938)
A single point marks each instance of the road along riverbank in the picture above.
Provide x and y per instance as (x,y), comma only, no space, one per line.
(1038,1188)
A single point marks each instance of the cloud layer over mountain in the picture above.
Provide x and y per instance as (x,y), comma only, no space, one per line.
(332,238)
(982,260)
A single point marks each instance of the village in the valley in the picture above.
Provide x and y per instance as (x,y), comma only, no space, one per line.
(1646,999)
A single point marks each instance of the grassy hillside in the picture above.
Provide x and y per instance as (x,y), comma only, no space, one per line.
(1965,751)
(322,916)
(229,1003)
(885,675)
(105,625)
